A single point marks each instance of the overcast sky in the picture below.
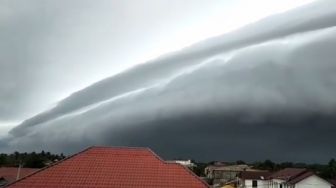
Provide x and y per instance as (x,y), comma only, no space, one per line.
(49,49)
(261,79)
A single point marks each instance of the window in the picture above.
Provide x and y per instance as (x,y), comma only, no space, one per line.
(254,183)
(280,185)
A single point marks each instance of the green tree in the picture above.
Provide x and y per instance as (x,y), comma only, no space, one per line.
(3,159)
(332,168)
(34,161)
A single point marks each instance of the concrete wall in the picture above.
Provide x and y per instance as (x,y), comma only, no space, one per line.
(313,182)
(261,184)
(310,182)
(276,183)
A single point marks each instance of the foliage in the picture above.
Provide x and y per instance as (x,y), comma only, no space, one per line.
(199,169)
(29,160)
(330,171)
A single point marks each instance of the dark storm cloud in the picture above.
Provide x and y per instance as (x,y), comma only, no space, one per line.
(222,137)
(312,17)
(270,96)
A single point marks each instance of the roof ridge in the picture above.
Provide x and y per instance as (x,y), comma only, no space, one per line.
(177,164)
(155,155)
(120,147)
(191,173)
(305,175)
(53,164)
(304,170)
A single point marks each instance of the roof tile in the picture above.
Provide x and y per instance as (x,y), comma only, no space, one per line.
(113,167)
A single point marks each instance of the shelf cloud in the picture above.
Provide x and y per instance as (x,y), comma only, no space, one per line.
(261,91)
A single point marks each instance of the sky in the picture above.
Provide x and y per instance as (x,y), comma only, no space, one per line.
(51,49)
(83,73)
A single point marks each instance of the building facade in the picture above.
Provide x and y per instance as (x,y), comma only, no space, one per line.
(253,179)
(286,178)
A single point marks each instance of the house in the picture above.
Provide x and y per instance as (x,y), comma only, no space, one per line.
(286,178)
(228,172)
(253,179)
(222,175)
(10,174)
(297,178)
(113,167)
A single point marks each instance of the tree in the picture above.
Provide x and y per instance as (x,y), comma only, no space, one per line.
(269,165)
(285,165)
(239,162)
(329,172)
(34,161)
(266,165)
(332,168)
(3,159)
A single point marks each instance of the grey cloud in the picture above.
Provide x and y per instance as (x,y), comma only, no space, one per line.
(311,17)
(257,101)
(50,49)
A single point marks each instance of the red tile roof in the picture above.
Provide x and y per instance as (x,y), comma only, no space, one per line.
(288,173)
(113,167)
(254,175)
(10,173)
(301,177)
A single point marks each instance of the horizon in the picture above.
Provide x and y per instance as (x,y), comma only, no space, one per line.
(226,162)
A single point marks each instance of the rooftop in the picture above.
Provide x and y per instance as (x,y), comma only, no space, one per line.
(288,173)
(255,175)
(112,167)
(300,177)
(9,174)
(292,175)
(236,168)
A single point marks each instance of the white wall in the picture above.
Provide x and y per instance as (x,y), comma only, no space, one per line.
(275,183)
(310,182)
(261,183)
(313,182)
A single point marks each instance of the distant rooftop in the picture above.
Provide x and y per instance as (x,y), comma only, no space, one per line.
(292,175)
(9,174)
(288,173)
(255,175)
(237,168)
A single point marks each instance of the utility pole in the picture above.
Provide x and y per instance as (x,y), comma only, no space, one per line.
(18,172)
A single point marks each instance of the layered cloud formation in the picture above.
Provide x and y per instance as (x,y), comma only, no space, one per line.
(265,91)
